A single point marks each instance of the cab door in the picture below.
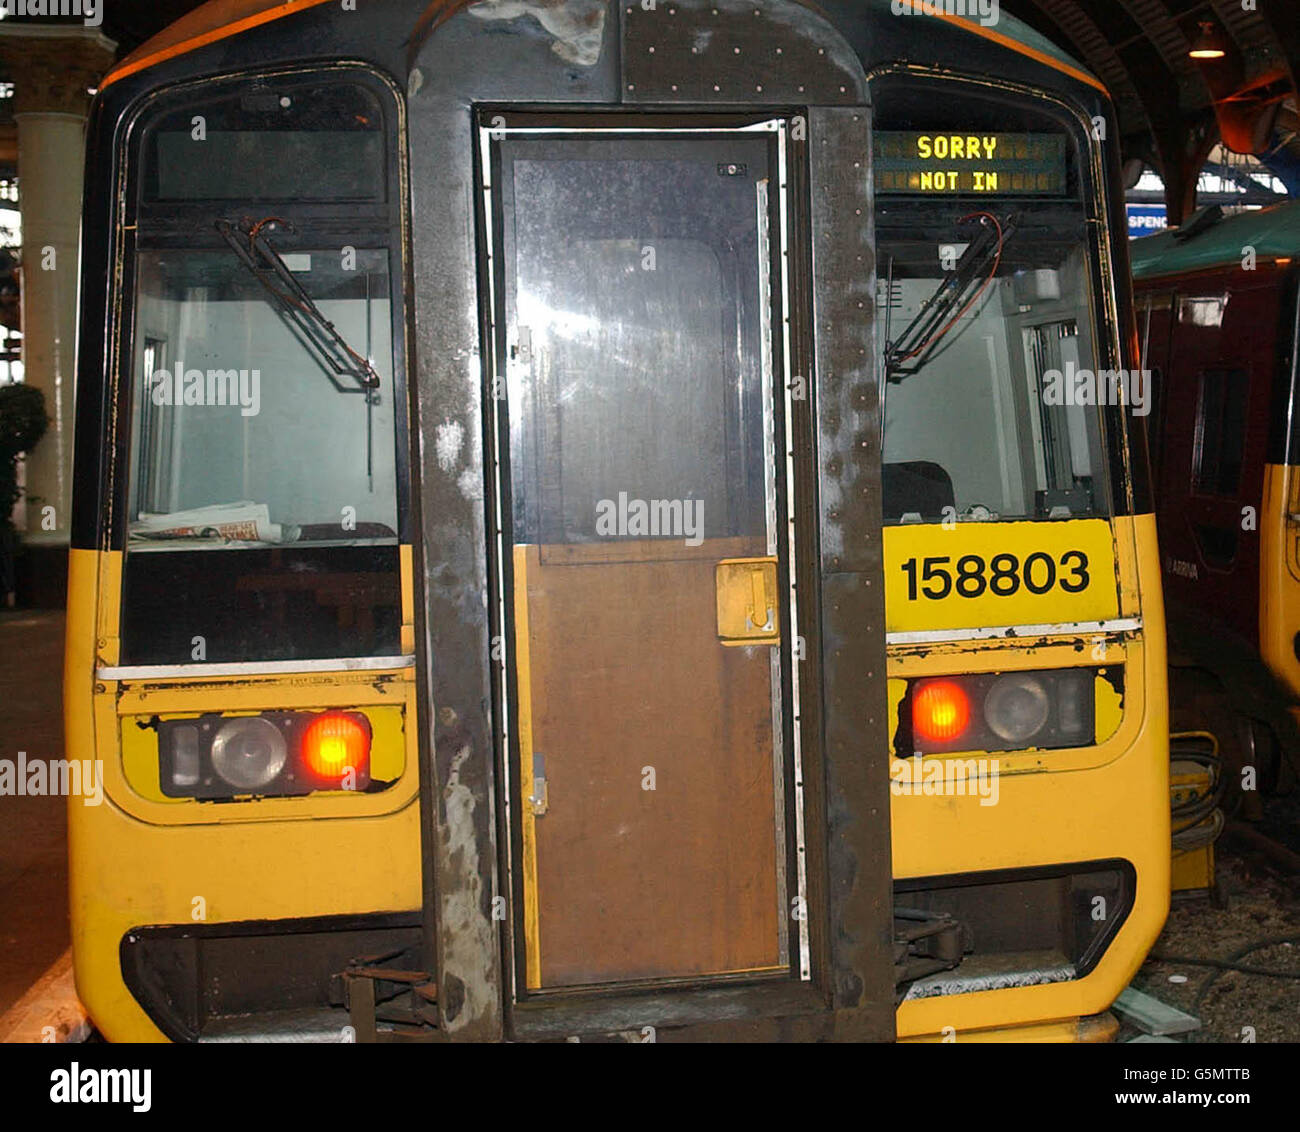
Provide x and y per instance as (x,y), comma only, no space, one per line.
(644,551)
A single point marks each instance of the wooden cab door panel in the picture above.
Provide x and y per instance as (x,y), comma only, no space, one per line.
(656,855)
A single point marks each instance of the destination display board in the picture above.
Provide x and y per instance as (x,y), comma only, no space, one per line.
(970,163)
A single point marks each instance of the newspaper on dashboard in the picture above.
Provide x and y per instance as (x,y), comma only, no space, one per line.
(244,521)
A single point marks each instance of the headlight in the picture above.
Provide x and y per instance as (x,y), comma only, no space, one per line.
(1016,708)
(185,757)
(248,753)
(1046,709)
(275,754)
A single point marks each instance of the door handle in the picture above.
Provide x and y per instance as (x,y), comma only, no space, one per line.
(747,601)
(760,613)
(539,800)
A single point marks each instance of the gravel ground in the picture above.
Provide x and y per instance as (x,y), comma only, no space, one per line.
(1264,903)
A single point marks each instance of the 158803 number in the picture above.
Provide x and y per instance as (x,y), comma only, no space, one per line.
(1002,575)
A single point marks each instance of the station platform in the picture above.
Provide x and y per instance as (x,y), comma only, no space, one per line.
(33,830)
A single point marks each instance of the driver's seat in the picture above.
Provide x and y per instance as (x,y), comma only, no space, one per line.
(915,487)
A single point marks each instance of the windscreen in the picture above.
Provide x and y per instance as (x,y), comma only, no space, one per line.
(993,404)
(263,505)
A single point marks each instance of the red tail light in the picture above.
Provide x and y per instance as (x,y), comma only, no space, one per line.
(940,711)
(336,749)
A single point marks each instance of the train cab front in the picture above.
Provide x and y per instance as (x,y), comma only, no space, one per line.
(1025,630)
(553,527)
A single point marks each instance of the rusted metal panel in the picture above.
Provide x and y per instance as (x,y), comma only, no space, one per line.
(852,586)
(458,785)
(708,51)
(466,60)
(736,1010)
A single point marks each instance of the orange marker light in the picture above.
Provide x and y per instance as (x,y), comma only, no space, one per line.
(940,711)
(334,744)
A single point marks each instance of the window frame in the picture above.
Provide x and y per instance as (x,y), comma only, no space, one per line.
(140,227)
(144,226)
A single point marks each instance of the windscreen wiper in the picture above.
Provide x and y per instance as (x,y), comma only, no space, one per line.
(296,306)
(958,290)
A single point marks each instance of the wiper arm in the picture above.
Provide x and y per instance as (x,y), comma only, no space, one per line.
(297,307)
(958,290)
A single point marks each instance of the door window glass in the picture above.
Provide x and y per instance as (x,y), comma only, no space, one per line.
(1221,431)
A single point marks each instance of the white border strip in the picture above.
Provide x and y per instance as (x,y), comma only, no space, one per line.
(1069,628)
(488,137)
(796,723)
(254,668)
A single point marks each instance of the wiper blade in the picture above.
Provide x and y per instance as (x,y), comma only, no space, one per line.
(295,305)
(958,290)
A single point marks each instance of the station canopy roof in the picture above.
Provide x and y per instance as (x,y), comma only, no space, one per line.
(1172,109)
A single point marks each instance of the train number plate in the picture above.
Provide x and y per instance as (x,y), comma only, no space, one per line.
(994,575)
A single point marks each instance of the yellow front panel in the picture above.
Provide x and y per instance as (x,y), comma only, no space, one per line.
(1279,565)
(1106,801)
(139,859)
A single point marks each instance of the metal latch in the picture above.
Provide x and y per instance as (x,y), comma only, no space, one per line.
(521,352)
(748,610)
(537,800)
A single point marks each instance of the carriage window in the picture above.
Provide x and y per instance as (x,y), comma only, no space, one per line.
(993,399)
(262,508)
(609,321)
(1221,430)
